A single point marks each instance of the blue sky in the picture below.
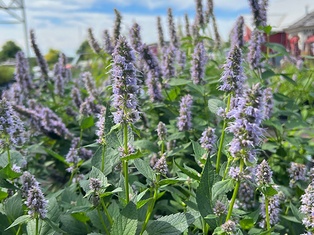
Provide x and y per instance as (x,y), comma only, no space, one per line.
(62,24)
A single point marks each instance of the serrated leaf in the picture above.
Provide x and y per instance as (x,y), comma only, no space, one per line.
(188,171)
(198,150)
(145,169)
(132,156)
(20,220)
(174,224)
(222,187)
(13,207)
(269,191)
(215,104)
(126,222)
(204,193)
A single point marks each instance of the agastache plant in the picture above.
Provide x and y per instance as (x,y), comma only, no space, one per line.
(187,26)
(12,130)
(237,33)
(255,50)
(22,75)
(259,11)
(161,41)
(199,13)
(307,207)
(168,64)
(135,36)
(107,47)
(172,30)
(199,60)
(93,42)
(185,119)
(124,97)
(39,57)
(117,27)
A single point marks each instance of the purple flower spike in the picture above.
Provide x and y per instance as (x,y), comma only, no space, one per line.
(237,33)
(232,78)
(161,131)
(135,36)
(101,127)
(125,86)
(161,166)
(263,174)
(10,125)
(161,41)
(307,207)
(185,118)
(208,139)
(199,60)
(117,27)
(199,13)
(36,203)
(108,48)
(297,172)
(39,57)
(259,10)
(187,25)
(93,42)
(255,53)
(172,30)
(168,60)
(22,75)
(28,181)
(273,210)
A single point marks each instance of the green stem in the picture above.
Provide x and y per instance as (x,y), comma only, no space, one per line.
(126,163)
(226,171)
(106,212)
(9,156)
(37,220)
(151,206)
(102,221)
(205,227)
(267,214)
(222,137)
(235,193)
(103,158)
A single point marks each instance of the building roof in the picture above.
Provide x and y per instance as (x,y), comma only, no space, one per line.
(307,22)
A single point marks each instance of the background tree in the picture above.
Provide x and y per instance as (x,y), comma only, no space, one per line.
(8,51)
(52,56)
(85,51)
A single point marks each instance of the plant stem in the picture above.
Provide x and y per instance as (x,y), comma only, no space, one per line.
(106,212)
(267,214)
(126,163)
(235,192)
(222,137)
(103,158)
(151,205)
(37,220)
(226,171)
(205,227)
(9,156)
(102,221)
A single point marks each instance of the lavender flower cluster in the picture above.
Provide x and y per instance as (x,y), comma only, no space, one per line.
(185,118)
(125,86)
(199,60)
(11,127)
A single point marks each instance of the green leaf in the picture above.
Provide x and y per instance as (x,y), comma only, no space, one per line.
(174,224)
(215,104)
(144,169)
(56,156)
(277,47)
(13,206)
(198,150)
(204,193)
(87,122)
(179,82)
(20,220)
(247,223)
(73,226)
(3,195)
(268,73)
(132,156)
(8,173)
(222,187)
(289,79)
(269,191)
(297,214)
(126,222)
(188,171)
(146,145)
